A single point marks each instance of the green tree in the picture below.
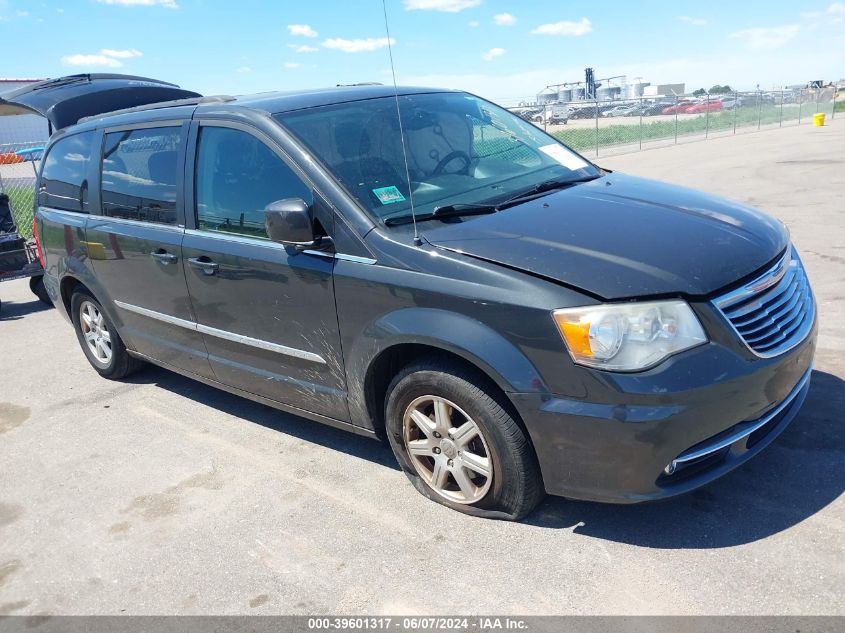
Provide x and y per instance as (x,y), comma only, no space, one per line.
(720,90)
(699,93)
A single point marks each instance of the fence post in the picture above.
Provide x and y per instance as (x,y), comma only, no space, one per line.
(759,107)
(642,101)
(676,119)
(596,113)
(800,104)
(780,123)
(707,117)
(833,104)
(736,108)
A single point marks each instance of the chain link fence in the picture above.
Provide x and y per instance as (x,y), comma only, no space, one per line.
(22,139)
(622,125)
(19,163)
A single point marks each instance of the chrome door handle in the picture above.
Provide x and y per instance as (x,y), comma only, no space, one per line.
(207,266)
(163,257)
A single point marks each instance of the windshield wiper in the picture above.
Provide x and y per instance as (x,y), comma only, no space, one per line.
(544,187)
(446,211)
(459,209)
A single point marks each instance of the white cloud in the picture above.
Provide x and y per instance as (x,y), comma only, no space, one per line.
(303,48)
(243,69)
(835,9)
(448,6)
(291,65)
(691,20)
(581,27)
(91,60)
(358,46)
(473,24)
(302,29)
(122,54)
(22,14)
(492,54)
(767,38)
(504,19)
(168,4)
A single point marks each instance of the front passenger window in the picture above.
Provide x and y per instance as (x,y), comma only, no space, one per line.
(237,176)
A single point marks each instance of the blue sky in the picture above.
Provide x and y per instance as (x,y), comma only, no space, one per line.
(502,49)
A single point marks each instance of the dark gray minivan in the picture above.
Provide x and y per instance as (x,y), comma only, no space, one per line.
(423,266)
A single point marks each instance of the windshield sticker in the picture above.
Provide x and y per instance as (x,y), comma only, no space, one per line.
(389,195)
(563,156)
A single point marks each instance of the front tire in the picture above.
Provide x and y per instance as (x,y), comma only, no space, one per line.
(99,339)
(458,443)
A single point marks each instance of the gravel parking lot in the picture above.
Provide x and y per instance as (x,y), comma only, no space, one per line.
(160,495)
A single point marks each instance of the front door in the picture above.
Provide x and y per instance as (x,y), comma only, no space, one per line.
(267,312)
(135,244)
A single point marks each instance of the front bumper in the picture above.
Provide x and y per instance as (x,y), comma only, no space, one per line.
(706,411)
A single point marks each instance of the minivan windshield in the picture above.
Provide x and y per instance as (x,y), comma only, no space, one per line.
(461,151)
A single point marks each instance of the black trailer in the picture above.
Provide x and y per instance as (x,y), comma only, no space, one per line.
(19,256)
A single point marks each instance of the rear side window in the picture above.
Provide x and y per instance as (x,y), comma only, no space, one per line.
(64,179)
(140,170)
(237,176)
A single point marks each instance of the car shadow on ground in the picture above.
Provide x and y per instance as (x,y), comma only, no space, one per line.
(12,310)
(796,476)
(266,416)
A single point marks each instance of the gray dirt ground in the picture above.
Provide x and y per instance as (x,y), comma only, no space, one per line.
(161,495)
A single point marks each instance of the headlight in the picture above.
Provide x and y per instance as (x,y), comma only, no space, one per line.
(628,336)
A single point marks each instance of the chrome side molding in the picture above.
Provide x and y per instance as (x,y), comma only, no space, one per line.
(224,334)
(347,258)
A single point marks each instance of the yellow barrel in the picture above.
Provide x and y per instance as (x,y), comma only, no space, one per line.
(818,119)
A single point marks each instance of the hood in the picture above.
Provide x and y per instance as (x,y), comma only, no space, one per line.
(621,237)
(66,100)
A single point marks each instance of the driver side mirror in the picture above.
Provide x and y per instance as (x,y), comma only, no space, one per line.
(290,222)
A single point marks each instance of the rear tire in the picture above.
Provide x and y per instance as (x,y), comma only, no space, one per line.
(99,339)
(448,426)
(36,284)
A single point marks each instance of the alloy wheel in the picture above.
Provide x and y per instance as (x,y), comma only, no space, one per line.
(448,449)
(95,332)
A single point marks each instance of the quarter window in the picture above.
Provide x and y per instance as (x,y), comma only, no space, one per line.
(237,176)
(140,170)
(64,179)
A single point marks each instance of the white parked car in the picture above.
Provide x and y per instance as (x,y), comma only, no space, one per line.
(620,110)
(552,114)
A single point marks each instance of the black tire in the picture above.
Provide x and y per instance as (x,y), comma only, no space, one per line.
(36,284)
(516,485)
(121,364)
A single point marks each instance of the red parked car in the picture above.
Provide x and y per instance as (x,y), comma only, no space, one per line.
(679,108)
(705,106)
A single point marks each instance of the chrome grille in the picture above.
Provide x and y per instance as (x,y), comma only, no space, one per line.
(775,312)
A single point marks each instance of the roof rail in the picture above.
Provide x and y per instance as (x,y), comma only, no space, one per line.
(161,104)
